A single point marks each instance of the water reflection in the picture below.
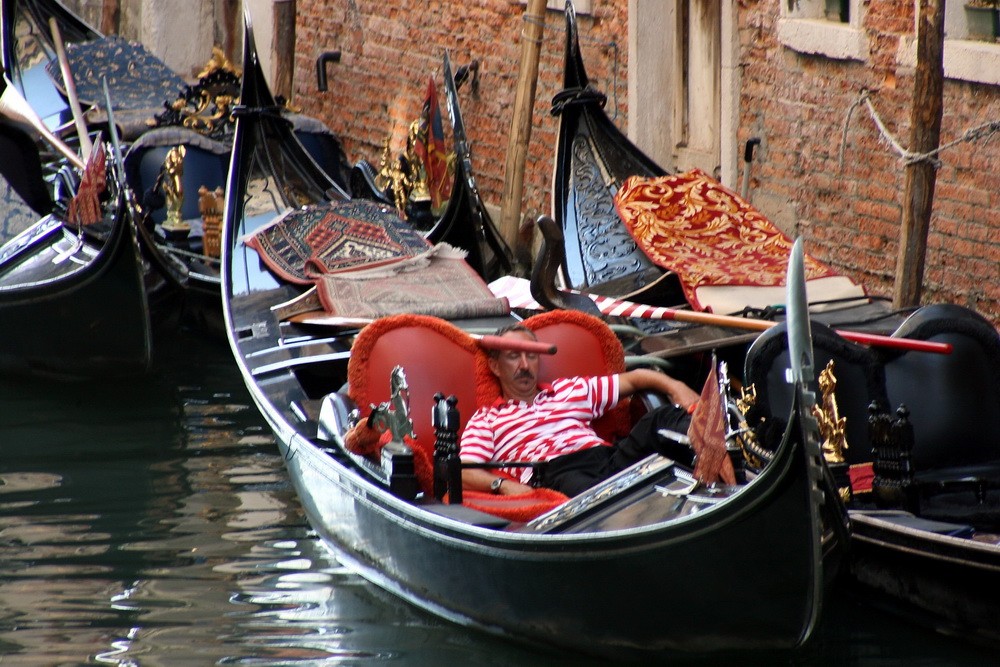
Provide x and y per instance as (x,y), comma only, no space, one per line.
(152,523)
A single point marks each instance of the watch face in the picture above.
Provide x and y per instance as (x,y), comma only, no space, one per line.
(495,485)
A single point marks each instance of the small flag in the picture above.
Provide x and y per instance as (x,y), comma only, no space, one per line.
(85,206)
(708,435)
(431,149)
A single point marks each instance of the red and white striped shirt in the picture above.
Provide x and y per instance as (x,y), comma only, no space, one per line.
(557,422)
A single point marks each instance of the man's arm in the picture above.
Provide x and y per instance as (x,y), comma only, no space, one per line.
(642,379)
(478,479)
(477,442)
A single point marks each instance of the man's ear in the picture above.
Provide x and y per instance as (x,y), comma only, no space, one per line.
(494,365)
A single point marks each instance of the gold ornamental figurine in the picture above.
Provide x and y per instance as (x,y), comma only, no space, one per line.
(210,207)
(171,178)
(832,426)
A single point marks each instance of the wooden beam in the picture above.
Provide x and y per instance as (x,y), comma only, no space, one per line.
(925,135)
(520,127)
(111,16)
(283,47)
(232,26)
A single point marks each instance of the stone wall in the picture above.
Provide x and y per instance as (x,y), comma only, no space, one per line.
(180,32)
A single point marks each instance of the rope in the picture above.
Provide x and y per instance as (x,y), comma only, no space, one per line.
(613,45)
(986,130)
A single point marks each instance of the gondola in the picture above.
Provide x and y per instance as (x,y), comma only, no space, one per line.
(26,46)
(182,283)
(684,562)
(708,252)
(921,468)
(72,296)
(465,222)
(193,272)
(593,159)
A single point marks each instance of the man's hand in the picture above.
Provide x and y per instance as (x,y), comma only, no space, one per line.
(642,379)
(512,488)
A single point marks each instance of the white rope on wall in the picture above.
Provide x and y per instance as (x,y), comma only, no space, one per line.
(986,130)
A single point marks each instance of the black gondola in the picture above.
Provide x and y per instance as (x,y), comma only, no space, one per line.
(593,159)
(72,296)
(921,468)
(546,580)
(27,47)
(183,281)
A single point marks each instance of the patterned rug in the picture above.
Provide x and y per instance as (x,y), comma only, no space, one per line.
(438,282)
(693,226)
(308,243)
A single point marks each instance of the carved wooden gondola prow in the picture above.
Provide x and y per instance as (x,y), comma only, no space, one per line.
(893,486)
(544,274)
(447,464)
(593,158)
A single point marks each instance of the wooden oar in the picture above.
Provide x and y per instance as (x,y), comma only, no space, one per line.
(732,322)
(517,291)
(74,101)
(486,341)
(14,106)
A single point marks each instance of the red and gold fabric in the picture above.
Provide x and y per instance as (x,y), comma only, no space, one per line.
(708,236)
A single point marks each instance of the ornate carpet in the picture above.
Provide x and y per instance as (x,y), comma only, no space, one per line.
(693,226)
(367,262)
(439,282)
(306,243)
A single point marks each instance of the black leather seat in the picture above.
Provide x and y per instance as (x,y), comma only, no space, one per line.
(857,369)
(953,399)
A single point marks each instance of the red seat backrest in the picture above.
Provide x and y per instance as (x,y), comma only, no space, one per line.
(436,357)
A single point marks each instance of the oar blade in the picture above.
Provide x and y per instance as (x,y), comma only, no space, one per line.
(797,309)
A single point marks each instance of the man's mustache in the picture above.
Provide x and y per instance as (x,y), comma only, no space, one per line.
(524,374)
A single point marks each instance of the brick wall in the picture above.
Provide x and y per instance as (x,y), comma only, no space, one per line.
(390,48)
(851,216)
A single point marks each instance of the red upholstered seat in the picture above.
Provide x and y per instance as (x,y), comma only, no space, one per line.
(439,357)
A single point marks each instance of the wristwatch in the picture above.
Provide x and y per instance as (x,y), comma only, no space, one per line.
(495,485)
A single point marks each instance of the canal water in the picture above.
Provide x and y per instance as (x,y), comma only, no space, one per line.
(151,522)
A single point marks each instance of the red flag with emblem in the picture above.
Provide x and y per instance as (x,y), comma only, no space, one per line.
(431,149)
(708,435)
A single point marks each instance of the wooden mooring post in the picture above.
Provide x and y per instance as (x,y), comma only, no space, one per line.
(925,135)
(520,128)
